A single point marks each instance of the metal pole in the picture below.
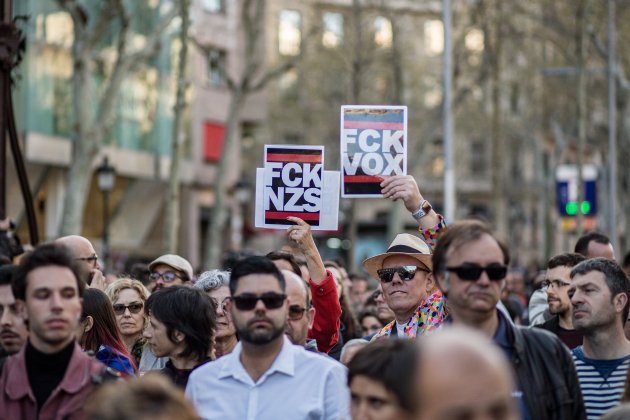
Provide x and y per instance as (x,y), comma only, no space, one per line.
(106,228)
(612,128)
(449,169)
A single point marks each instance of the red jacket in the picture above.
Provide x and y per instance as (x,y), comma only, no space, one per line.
(327,313)
(66,401)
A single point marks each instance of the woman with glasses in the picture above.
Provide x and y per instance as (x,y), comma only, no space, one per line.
(128,297)
(216,284)
(99,333)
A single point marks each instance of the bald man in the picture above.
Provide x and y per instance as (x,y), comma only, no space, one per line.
(88,266)
(461,374)
(301,313)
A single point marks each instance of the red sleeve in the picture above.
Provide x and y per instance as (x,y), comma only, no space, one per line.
(327,313)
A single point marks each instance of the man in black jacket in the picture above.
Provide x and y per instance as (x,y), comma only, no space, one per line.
(470,265)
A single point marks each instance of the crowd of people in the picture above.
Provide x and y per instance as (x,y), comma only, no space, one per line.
(439,326)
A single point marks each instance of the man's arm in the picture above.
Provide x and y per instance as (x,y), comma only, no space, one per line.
(404,187)
(325,328)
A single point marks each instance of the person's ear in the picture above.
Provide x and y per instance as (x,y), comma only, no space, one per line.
(179,336)
(20,307)
(620,302)
(443,281)
(310,312)
(430,283)
(89,323)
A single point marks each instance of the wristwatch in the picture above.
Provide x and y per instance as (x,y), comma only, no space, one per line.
(424,209)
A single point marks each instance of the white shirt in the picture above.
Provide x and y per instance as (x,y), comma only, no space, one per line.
(298,385)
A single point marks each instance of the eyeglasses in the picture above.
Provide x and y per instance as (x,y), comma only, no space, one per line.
(167,276)
(91,260)
(221,304)
(558,284)
(405,272)
(134,308)
(296,312)
(472,272)
(248,301)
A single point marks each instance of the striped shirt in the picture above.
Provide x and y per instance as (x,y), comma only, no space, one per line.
(602,382)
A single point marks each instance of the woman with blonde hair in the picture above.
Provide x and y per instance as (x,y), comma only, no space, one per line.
(128,297)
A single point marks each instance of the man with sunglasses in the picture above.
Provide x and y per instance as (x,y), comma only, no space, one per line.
(404,271)
(301,313)
(556,283)
(169,270)
(470,265)
(88,266)
(266,377)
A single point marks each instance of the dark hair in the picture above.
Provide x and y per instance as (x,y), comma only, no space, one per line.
(351,328)
(367,313)
(6,274)
(104,330)
(43,256)
(568,259)
(581,246)
(140,272)
(282,255)
(458,234)
(255,265)
(392,363)
(626,260)
(615,277)
(189,311)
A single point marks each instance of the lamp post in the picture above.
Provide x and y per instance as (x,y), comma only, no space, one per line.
(106,177)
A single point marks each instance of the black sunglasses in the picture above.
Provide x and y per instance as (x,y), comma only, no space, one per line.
(248,301)
(134,308)
(405,272)
(472,272)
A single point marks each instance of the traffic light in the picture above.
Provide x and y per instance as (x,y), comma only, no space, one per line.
(571,208)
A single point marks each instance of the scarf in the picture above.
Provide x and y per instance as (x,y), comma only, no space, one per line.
(427,317)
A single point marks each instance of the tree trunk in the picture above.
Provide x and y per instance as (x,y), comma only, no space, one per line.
(172,204)
(498,149)
(214,237)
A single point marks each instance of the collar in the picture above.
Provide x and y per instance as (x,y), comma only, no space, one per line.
(284,363)
(77,375)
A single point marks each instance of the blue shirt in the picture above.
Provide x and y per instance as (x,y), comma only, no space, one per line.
(298,385)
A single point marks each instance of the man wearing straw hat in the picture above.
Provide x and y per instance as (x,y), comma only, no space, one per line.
(405,274)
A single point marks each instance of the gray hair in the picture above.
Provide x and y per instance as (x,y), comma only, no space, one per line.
(212,280)
(352,343)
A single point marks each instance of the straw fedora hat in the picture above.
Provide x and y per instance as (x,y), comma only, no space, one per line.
(403,244)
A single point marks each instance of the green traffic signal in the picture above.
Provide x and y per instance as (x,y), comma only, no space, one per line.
(572,208)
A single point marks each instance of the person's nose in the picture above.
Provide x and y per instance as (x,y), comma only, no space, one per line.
(6,318)
(260,306)
(127,313)
(483,279)
(56,301)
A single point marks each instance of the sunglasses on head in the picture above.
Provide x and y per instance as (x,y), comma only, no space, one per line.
(248,301)
(405,272)
(168,276)
(134,308)
(472,272)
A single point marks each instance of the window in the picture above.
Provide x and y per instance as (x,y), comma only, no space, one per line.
(289,32)
(382,32)
(216,62)
(213,6)
(433,37)
(333,30)
(478,158)
(213,136)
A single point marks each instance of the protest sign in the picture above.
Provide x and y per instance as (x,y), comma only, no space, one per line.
(292,184)
(373,143)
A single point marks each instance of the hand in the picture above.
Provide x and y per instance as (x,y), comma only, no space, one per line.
(98,280)
(300,233)
(405,188)
(5,224)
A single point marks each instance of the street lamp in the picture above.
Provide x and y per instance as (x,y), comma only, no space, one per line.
(106,177)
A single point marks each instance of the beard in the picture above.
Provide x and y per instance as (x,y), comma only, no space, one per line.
(259,336)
